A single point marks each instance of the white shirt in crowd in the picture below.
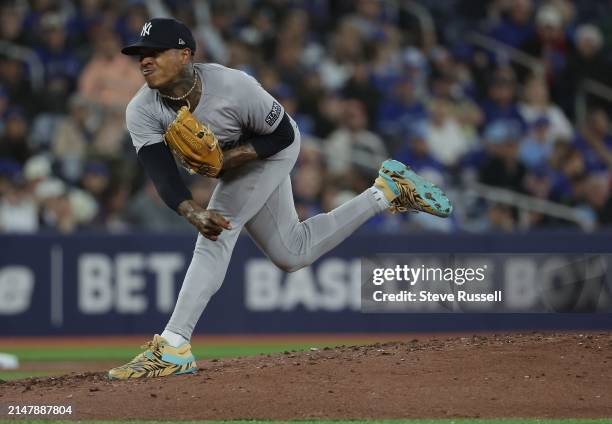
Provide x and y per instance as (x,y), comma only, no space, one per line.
(447,142)
(560,127)
(19,216)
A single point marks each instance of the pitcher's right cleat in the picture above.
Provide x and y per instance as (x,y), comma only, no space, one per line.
(405,190)
(158,360)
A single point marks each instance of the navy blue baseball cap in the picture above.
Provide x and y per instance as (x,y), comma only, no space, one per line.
(162,33)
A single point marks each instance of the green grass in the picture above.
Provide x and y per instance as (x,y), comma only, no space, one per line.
(125,353)
(447,421)
(14,375)
(91,353)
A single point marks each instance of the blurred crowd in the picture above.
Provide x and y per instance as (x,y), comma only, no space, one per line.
(364,79)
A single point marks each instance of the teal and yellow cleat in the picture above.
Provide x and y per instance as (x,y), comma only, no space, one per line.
(405,190)
(158,360)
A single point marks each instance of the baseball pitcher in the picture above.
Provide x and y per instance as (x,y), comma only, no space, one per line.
(220,123)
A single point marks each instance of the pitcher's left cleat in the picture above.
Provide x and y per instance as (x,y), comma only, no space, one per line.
(405,190)
(158,360)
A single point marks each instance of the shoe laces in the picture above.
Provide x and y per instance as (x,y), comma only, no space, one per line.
(153,345)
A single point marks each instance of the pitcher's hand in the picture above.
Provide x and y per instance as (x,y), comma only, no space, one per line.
(209,223)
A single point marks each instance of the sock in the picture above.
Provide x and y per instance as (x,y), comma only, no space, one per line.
(380,197)
(173,339)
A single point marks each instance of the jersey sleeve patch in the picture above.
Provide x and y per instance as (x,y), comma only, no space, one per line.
(274,114)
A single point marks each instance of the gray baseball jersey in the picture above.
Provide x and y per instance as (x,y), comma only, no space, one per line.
(256,196)
(233,105)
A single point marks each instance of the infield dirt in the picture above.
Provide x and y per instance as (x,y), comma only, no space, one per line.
(496,376)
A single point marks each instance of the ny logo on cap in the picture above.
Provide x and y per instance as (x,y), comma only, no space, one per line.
(146,28)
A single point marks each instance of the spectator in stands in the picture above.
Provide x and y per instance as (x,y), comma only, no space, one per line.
(501,218)
(111,136)
(347,49)
(329,114)
(72,137)
(96,179)
(240,56)
(9,168)
(309,95)
(89,15)
(18,209)
(352,145)
(502,166)
(595,142)
(295,28)
(269,78)
(368,18)
(260,31)
(567,9)
(470,118)
(34,15)
(285,95)
(36,170)
(501,102)
(549,43)
(567,168)
(84,207)
(212,29)
(14,141)
(536,105)
(13,77)
(456,84)
(400,113)
(351,73)
(11,21)
(538,183)
(60,63)
(536,149)
(442,85)
(307,183)
(441,63)
(129,25)
(417,152)
(416,68)
(358,87)
(112,206)
(109,78)
(148,212)
(56,212)
(586,61)
(311,197)
(445,139)
(598,197)
(516,25)
(385,67)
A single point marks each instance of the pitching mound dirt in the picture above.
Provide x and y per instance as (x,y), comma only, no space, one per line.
(535,375)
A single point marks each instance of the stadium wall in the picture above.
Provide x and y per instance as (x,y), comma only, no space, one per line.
(127,284)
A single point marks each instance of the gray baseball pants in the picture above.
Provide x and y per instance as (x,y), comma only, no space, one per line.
(258,197)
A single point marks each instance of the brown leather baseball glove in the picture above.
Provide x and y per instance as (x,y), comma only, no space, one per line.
(194,145)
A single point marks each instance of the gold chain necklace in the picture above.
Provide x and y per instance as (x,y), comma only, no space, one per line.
(184,96)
